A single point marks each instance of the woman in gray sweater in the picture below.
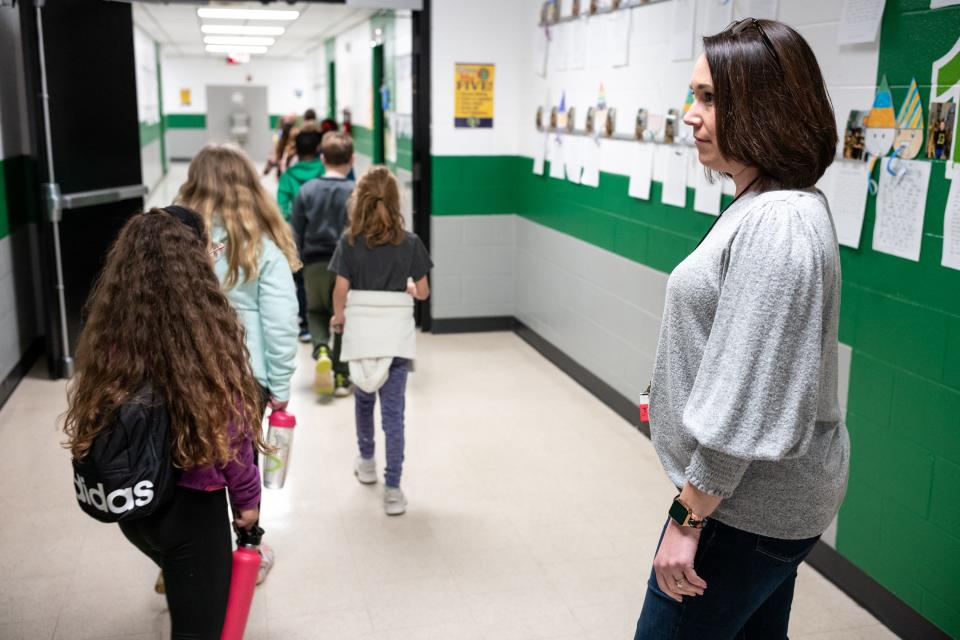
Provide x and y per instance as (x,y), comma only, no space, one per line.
(743,406)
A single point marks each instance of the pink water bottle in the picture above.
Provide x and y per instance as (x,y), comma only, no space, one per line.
(246,564)
(280,437)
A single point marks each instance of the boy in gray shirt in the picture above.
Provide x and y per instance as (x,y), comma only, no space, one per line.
(318,218)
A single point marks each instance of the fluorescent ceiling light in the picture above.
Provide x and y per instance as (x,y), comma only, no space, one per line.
(247,14)
(256,40)
(241,30)
(234,48)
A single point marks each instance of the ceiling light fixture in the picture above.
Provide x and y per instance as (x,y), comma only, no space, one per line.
(247,14)
(255,40)
(241,30)
(229,48)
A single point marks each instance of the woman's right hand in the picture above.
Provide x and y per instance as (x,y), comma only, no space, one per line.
(247,518)
(336,324)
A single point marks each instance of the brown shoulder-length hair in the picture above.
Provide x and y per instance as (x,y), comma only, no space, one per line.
(374,209)
(158,315)
(772,106)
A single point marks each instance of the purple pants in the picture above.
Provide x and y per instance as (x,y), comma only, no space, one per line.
(392,403)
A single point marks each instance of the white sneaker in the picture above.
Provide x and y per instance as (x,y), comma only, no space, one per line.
(393,501)
(365,470)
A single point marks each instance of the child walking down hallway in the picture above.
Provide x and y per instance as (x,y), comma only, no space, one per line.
(380,269)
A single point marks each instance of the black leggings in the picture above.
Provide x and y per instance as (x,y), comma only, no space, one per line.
(189,539)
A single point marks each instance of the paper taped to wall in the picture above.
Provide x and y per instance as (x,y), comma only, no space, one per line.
(540,154)
(641,170)
(572,157)
(901,200)
(951,228)
(707,195)
(675,177)
(591,163)
(845,184)
(556,158)
(860,21)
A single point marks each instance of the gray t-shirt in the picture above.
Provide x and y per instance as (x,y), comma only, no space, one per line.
(744,397)
(382,268)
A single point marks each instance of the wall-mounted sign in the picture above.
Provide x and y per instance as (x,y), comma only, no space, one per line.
(184,97)
(473,96)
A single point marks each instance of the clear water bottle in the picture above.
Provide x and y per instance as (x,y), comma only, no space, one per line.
(280,437)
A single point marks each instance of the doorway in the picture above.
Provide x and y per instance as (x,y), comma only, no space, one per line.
(379,96)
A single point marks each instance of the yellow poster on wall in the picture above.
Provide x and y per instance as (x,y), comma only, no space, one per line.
(473,96)
(184,97)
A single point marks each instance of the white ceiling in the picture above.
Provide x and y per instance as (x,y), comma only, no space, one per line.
(177,28)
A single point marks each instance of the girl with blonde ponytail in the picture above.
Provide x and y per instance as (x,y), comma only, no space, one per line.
(381,266)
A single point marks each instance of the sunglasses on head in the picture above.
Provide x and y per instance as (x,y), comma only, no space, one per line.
(738,27)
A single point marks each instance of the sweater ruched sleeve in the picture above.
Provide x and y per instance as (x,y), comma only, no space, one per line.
(754,397)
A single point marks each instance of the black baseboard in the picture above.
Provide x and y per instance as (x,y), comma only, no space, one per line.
(12,379)
(609,396)
(472,325)
(893,612)
(890,610)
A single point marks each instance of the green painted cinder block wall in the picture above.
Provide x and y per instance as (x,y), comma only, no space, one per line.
(900,522)
(19,191)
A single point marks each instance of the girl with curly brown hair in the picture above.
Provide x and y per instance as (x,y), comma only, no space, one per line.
(158,326)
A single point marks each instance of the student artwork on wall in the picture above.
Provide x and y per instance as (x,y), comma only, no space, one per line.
(909,139)
(945,88)
(881,123)
(854,137)
(940,133)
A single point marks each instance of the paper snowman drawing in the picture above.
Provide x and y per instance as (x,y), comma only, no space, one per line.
(909,138)
(880,123)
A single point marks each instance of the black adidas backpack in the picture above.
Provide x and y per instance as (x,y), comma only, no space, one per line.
(127,473)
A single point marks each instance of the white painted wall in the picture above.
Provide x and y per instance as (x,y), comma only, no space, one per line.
(354,71)
(283,79)
(653,81)
(494,31)
(316,65)
(148,105)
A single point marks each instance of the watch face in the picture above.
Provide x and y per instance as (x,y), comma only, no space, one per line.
(679,513)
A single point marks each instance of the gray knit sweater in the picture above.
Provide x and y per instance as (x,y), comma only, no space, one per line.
(744,397)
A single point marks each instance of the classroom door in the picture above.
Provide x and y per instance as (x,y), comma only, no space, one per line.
(83,111)
(378,123)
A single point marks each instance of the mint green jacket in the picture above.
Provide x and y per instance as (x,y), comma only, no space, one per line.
(267,306)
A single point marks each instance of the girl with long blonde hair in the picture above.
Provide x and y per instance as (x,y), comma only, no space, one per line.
(256,269)
(162,349)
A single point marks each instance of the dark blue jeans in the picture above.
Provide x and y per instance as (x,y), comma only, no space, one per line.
(750,581)
(392,403)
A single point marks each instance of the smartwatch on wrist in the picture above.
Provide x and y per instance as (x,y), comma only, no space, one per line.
(683,516)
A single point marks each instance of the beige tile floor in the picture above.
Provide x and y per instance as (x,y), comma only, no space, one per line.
(534,511)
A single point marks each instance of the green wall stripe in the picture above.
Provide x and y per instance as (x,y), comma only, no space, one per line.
(362,140)
(150,133)
(19,191)
(186,120)
(199,120)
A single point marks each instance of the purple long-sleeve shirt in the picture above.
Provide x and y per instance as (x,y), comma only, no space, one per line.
(241,477)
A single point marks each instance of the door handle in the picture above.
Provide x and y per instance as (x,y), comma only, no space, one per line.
(56,202)
(82,199)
